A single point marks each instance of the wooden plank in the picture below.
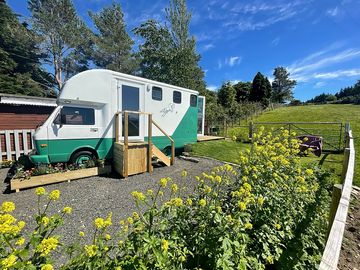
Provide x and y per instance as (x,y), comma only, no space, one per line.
(332,250)
(117,127)
(137,159)
(172,159)
(1,153)
(149,157)
(17,144)
(161,155)
(155,124)
(126,144)
(209,138)
(25,142)
(336,195)
(8,146)
(46,179)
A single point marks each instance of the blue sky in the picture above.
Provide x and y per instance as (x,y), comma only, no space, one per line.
(317,40)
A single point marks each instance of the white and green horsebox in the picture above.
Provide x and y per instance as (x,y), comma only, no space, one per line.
(82,125)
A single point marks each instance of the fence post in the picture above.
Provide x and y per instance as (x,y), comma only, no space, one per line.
(251,130)
(335,199)
(345,164)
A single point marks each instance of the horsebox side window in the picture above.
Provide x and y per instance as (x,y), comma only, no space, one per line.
(156,93)
(177,97)
(193,100)
(77,116)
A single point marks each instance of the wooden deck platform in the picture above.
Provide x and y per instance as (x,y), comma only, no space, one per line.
(209,138)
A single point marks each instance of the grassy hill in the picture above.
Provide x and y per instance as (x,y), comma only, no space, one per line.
(321,113)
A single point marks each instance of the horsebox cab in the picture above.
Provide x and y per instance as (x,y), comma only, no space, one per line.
(82,126)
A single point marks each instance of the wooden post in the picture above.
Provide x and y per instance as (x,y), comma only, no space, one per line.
(126,143)
(150,167)
(335,199)
(340,137)
(116,127)
(172,161)
(251,130)
(345,164)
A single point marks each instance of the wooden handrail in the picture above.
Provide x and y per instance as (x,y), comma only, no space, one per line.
(126,133)
(172,160)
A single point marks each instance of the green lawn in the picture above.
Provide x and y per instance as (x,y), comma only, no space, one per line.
(321,113)
(229,151)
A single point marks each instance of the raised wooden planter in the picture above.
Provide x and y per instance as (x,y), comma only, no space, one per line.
(46,179)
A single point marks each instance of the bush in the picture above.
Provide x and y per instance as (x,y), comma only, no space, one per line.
(271,211)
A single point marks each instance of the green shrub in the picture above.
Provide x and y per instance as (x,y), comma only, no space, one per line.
(269,212)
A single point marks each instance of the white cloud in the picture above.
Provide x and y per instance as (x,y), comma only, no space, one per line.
(212,87)
(306,68)
(333,12)
(275,41)
(234,60)
(207,47)
(338,73)
(319,84)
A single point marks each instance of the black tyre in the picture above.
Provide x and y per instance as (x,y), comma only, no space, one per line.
(82,157)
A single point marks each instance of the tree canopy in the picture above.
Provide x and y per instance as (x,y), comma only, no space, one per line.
(20,65)
(168,53)
(112,44)
(282,86)
(261,89)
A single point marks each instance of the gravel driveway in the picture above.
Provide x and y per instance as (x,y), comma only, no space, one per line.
(97,196)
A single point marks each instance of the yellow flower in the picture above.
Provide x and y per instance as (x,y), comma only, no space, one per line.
(165,245)
(8,262)
(20,241)
(135,215)
(118,268)
(150,192)
(47,267)
(261,201)
(270,259)
(108,220)
(247,187)
(174,188)
(45,221)
(175,202)
(242,206)
(99,223)
(218,179)
(7,207)
(248,226)
(277,226)
(234,138)
(138,195)
(130,220)
(161,193)
(207,189)
(107,237)
(163,182)
(47,245)
(67,210)
(309,172)
(91,250)
(21,224)
(81,234)
(54,195)
(202,202)
(40,191)
(189,202)
(184,173)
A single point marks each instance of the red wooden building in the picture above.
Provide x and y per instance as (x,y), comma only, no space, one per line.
(19,116)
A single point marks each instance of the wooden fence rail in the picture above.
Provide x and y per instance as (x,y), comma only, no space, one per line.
(339,207)
(14,143)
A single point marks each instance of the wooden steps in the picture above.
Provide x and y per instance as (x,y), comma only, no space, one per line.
(161,156)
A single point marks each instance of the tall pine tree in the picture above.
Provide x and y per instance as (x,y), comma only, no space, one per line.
(112,44)
(63,35)
(282,85)
(168,54)
(261,89)
(20,58)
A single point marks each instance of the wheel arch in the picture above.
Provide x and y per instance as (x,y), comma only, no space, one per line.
(84,148)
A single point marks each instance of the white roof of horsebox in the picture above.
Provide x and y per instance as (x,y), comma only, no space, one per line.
(94,86)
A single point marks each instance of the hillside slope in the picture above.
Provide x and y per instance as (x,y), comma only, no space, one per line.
(321,113)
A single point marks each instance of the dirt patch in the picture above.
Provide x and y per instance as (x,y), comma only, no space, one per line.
(350,250)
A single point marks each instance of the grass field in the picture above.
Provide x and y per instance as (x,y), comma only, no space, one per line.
(321,113)
(228,151)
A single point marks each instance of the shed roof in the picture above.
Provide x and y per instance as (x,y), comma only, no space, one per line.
(27,100)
